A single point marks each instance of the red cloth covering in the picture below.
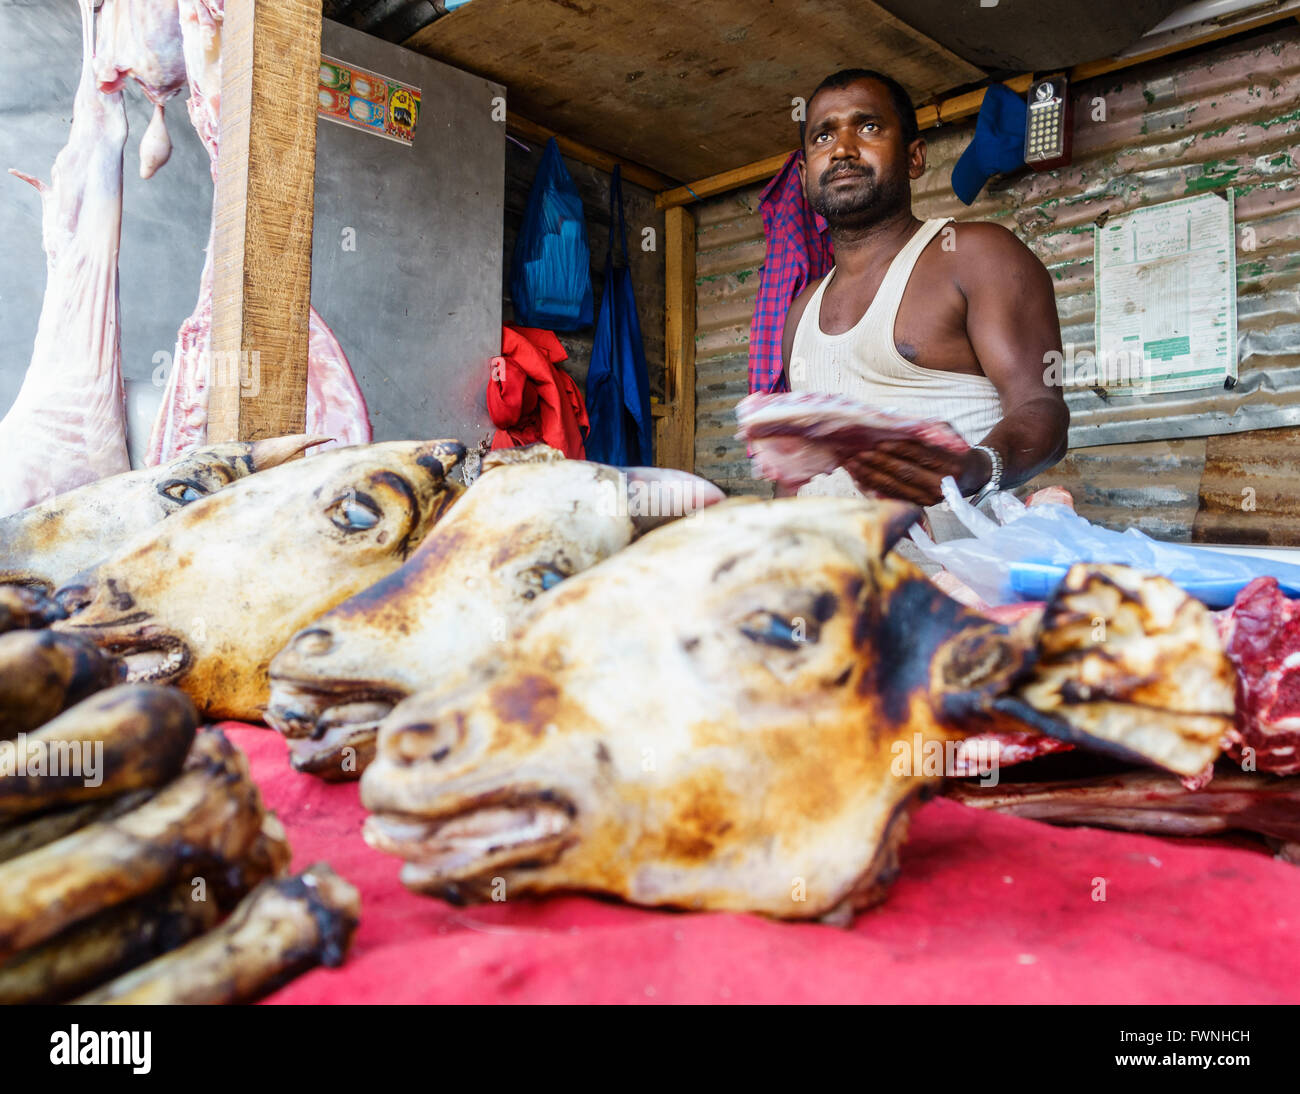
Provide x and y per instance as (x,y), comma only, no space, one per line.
(988,909)
(530,398)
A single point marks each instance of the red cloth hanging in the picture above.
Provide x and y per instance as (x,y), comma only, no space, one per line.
(798,251)
(531,399)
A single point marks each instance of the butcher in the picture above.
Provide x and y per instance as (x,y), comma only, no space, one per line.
(934,319)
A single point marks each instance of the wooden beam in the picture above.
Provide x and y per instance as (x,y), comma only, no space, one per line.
(632,172)
(262,217)
(965,106)
(720,184)
(1113,64)
(953,109)
(675,430)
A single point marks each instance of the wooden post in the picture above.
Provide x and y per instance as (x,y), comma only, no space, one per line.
(263,207)
(675,430)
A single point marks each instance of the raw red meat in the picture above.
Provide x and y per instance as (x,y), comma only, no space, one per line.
(1156,802)
(1261,632)
(1012,613)
(997,750)
(794,436)
(1051,495)
(951,584)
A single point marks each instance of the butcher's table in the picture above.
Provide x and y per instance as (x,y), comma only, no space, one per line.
(988,908)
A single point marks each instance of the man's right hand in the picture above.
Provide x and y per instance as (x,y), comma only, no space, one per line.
(914,471)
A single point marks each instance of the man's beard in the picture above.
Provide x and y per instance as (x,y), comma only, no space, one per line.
(860,206)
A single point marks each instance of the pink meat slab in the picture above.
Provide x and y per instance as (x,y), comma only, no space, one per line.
(795,436)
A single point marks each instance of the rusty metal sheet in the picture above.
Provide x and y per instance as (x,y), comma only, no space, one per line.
(1250,491)
(1152,486)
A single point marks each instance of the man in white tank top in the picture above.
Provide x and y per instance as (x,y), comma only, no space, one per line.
(936,319)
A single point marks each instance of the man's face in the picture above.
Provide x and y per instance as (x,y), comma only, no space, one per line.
(856,169)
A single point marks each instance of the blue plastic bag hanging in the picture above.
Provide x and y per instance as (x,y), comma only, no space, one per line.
(618,386)
(550,275)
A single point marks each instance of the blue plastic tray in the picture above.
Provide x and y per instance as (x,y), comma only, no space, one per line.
(1038,580)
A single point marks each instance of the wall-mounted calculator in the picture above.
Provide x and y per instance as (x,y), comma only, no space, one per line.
(1050,124)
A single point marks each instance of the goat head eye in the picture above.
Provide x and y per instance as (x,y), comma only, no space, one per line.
(544,576)
(354,514)
(784,632)
(181,491)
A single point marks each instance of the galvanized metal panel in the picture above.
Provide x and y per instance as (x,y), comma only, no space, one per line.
(1227,117)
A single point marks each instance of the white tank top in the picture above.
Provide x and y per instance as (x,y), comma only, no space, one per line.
(864,364)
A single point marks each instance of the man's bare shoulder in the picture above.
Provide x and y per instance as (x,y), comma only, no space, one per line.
(981,248)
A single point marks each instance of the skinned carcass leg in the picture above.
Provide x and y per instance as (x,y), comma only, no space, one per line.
(68,424)
(142,39)
(335,405)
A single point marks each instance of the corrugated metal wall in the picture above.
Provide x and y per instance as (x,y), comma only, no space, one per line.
(1229,116)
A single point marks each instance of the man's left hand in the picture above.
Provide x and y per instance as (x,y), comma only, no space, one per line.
(912,471)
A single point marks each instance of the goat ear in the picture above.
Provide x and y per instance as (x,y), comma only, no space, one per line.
(961,660)
(976,669)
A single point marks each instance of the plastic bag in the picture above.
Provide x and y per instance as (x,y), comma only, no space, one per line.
(1025,552)
(550,275)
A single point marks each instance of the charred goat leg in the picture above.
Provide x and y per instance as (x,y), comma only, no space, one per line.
(266,857)
(281,929)
(43,673)
(119,939)
(125,738)
(111,943)
(210,813)
(28,833)
(23,607)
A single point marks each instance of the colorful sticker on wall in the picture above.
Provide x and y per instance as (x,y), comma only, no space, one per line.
(365,100)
